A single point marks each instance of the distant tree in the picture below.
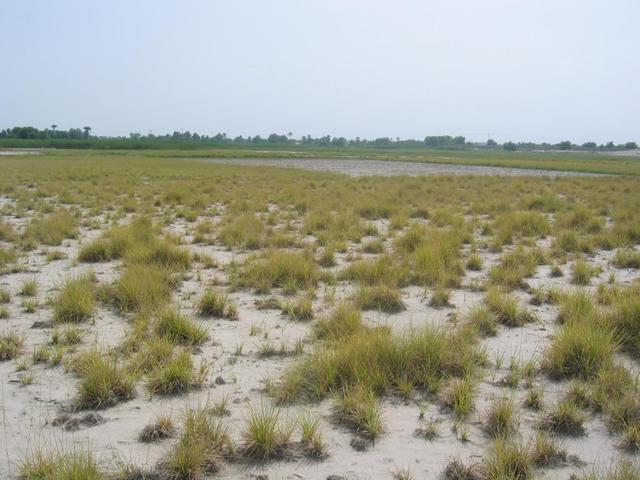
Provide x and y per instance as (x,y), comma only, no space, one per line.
(339,141)
(53,130)
(589,145)
(491,143)
(459,140)
(565,145)
(630,145)
(609,146)
(135,136)
(87,131)
(510,147)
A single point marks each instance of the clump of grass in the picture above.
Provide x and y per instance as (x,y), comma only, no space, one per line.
(631,440)
(176,375)
(582,272)
(141,287)
(380,361)
(373,246)
(380,297)
(103,382)
(514,268)
(500,418)
(53,255)
(245,231)
(5,296)
(506,309)
(4,312)
(299,309)
(625,320)
(579,350)
(162,427)
(474,262)
(575,306)
(456,470)
(179,329)
(266,435)
(10,345)
(621,470)
(61,465)
(66,337)
(534,399)
(29,288)
(382,270)
(483,320)
(204,442)
(52,229)
(627,259)
(288,270)
(327,258)
(440,297)
(546,452)
(345,320)
(565,418)
(508,460)
(359,410)
(75,303)
(459,396)
(29,306)
(556,271)
(218,305)
(99,250)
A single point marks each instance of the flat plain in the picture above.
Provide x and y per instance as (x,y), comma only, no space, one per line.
(171,318)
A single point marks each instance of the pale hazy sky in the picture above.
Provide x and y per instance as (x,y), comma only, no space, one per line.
(541,70)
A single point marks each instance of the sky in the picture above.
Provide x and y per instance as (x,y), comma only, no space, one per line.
(521,70)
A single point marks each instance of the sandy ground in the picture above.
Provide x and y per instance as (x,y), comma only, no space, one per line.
(360,167)
(28,412)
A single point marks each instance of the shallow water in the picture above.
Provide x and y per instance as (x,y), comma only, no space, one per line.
(362,167)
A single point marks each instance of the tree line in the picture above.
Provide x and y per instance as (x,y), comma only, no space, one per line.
(82,138)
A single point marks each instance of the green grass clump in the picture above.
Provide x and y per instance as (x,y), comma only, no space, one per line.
(381,361)
(267,435)
(508,460)
(141,287)
(203,443)
(582,272)
(383,298)
(621,470)
(359,409)
(29,288)
(10,345)
(546,452)
(500,419)
(5,295)
(245,231)
(565,418)
(66,337)
(459,396)
(625,319)
(299,309)
(76,301)
(162,427)
(216,304)
(278,268)
(179,329)
(373,246)
(520,224)
(61,465)
(440,297)
(382,270)
(483,320)
(506,309)
(345,320)
(137,243)
(627,259)
(514,268)
(103,382)
(177,375)
(579,350)
(52,229)
(474,262)
(575,306)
